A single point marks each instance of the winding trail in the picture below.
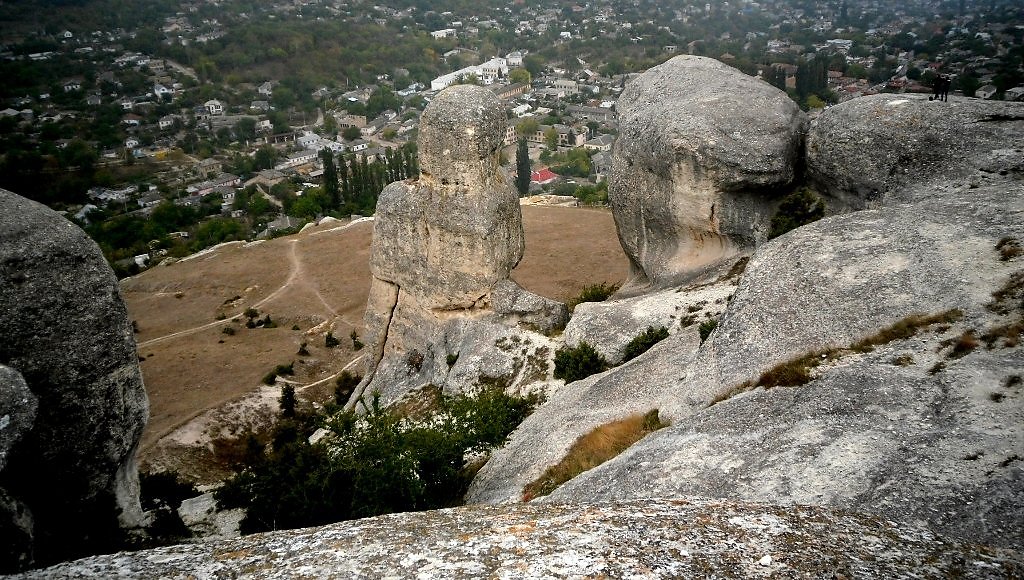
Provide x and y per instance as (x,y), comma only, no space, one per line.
(296,277)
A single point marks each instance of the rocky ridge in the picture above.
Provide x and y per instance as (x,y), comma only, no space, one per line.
(679,538)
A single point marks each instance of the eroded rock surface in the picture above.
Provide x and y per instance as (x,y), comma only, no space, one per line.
(443,247)
(683,538)
(67,333)
(885,149)
(915,430)
(701,147)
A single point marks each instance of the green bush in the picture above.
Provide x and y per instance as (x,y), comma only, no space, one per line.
(798,208)
(371,464)
(573,364)
(593,293)
(330,341)
(706,328)
(344,385)
(642,342)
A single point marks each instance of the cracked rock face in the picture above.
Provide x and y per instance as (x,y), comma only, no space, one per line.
(701,146)
(914,430)
(67,333)
(885,149)
(682,538)
(443,247)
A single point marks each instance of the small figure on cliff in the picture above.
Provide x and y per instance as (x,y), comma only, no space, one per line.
(945,87)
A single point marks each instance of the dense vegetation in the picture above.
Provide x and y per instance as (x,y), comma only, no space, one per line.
(376,463)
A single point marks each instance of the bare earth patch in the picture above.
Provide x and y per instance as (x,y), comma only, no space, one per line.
(317,280)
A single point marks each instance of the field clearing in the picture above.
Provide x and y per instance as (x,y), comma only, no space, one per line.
(316,281)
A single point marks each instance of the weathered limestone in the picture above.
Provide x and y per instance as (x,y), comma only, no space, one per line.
(681,538)
(443,247)
(700,149)
(890,432)
(67,333)
(886,149)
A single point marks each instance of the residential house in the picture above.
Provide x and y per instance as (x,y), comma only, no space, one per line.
(543,176)
(600,143)
(214,107)
(266,89)
(262,106)
(443,33)
(167,121)
(160,90)
(512,91)
(358,145)
(298,158)
(73,84)
(1014,94)
(267,178)
(986,92)
(208,167)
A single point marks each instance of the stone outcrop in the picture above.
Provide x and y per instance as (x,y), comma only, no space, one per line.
(916,430)
(443,247)
(702,147)
(17,414)
(67,333)
(682,538)
(886,149)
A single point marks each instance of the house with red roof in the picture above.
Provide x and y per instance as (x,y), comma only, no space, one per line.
(543,176)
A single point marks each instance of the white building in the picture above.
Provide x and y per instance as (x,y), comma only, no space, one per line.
(486,73)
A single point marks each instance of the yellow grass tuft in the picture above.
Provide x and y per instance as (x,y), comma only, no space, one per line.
(594,448)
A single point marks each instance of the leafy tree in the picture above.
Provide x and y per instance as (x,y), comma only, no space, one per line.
(522,168)
(798,208)
(351,133)
(643,342)
(265,157)
(519,75)
(551,139)
(527,126)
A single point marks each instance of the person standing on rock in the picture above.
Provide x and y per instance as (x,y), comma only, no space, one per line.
(946,81)
(937,88)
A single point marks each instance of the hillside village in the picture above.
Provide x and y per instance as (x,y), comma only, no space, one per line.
(115,126)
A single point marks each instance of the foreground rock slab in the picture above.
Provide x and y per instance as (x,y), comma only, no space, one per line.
(684,538)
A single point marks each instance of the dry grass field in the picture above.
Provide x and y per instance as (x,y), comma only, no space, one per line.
(309,283)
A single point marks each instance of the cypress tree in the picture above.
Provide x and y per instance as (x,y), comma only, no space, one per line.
(522,168)
(330,178)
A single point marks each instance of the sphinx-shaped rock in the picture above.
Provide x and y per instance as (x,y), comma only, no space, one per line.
(67,333)
(443,247)
(701,147)
(886,149)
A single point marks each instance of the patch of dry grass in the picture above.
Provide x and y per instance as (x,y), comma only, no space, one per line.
(905,328)
(797,371)
(594,448)
(1009,248)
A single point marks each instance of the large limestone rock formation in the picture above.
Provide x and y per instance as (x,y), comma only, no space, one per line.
(443,247)
(701,148)
(924,430)
(67,333)
(884,149)
(682,538)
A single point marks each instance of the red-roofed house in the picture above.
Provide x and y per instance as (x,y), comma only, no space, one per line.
(543,177)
